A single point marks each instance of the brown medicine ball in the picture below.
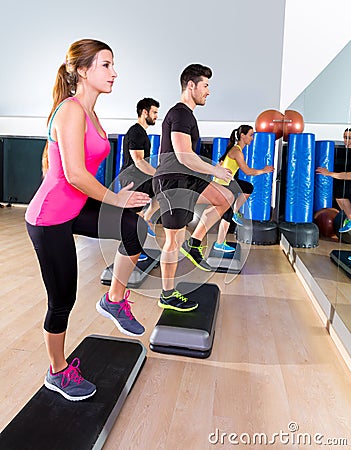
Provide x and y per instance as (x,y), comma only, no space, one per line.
(324,219)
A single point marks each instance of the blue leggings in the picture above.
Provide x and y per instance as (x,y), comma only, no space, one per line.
(56,252)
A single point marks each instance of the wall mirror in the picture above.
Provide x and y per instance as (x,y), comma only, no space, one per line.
(326,103)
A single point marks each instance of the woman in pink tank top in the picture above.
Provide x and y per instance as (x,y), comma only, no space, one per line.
(72,201)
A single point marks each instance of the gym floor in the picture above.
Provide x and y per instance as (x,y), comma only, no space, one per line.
(273,368)
(333,281)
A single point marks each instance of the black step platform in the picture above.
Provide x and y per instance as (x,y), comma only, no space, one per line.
(305,235)
(50,422)
(140,272)
(258,232)
(342,258)
(225,262)
(188,333)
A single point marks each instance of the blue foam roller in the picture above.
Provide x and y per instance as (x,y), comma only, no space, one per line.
(155,145)
(258,154)
(300,178)
(323,185)
(219,146)
(100,175)
(198,147)
(119,162)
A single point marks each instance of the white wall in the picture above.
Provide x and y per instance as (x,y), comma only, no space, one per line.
(314,33)
(240,40)
(328,98)
(34,126)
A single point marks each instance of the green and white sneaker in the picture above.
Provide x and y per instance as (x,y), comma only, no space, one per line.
(195,255)
(177,302)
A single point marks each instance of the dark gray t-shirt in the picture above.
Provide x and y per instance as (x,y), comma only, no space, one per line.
(179,118)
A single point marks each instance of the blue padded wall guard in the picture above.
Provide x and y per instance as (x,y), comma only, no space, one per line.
(300,178)
(259,154)
(323,185)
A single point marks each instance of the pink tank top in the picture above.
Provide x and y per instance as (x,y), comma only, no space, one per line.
(57,201)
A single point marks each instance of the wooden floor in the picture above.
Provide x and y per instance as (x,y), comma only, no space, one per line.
(273,364)
(331,278)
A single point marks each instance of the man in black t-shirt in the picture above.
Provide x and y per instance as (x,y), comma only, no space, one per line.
(183,179)
(136,157)
(342,184)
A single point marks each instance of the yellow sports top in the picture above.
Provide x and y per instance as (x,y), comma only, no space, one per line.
(230,164)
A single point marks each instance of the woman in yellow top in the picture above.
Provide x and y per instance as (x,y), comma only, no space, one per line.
(234,160)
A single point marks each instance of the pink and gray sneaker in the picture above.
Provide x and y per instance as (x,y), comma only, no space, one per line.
(70,383)
(121,315)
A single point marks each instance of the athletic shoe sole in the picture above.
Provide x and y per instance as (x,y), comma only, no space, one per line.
(222,250)
(344,230)
(53,387)
(175,308)
(185,253)
(151,233)
(115,321)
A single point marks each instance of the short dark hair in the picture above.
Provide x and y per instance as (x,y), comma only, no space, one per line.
(194,72)
(146,103)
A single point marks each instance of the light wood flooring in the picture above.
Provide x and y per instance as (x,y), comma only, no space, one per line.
(273,363)
(331,278)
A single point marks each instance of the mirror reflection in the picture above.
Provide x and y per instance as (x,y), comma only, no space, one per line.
(325,106)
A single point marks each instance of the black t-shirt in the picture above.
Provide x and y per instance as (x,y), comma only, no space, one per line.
(179,118)
(136,138)
(342,159)
(342,163)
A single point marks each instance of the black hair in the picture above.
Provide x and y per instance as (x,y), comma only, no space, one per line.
(146,103)
(194,72)
(235,137)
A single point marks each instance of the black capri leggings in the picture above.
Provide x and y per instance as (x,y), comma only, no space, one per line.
(56,252)
(237,187)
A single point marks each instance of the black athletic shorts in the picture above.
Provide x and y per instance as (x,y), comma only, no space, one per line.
(142,183)
(177,199)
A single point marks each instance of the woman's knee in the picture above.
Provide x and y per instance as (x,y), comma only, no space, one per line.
(56,319)
(230,197)
(134,233)
(219,196)
(225,198)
